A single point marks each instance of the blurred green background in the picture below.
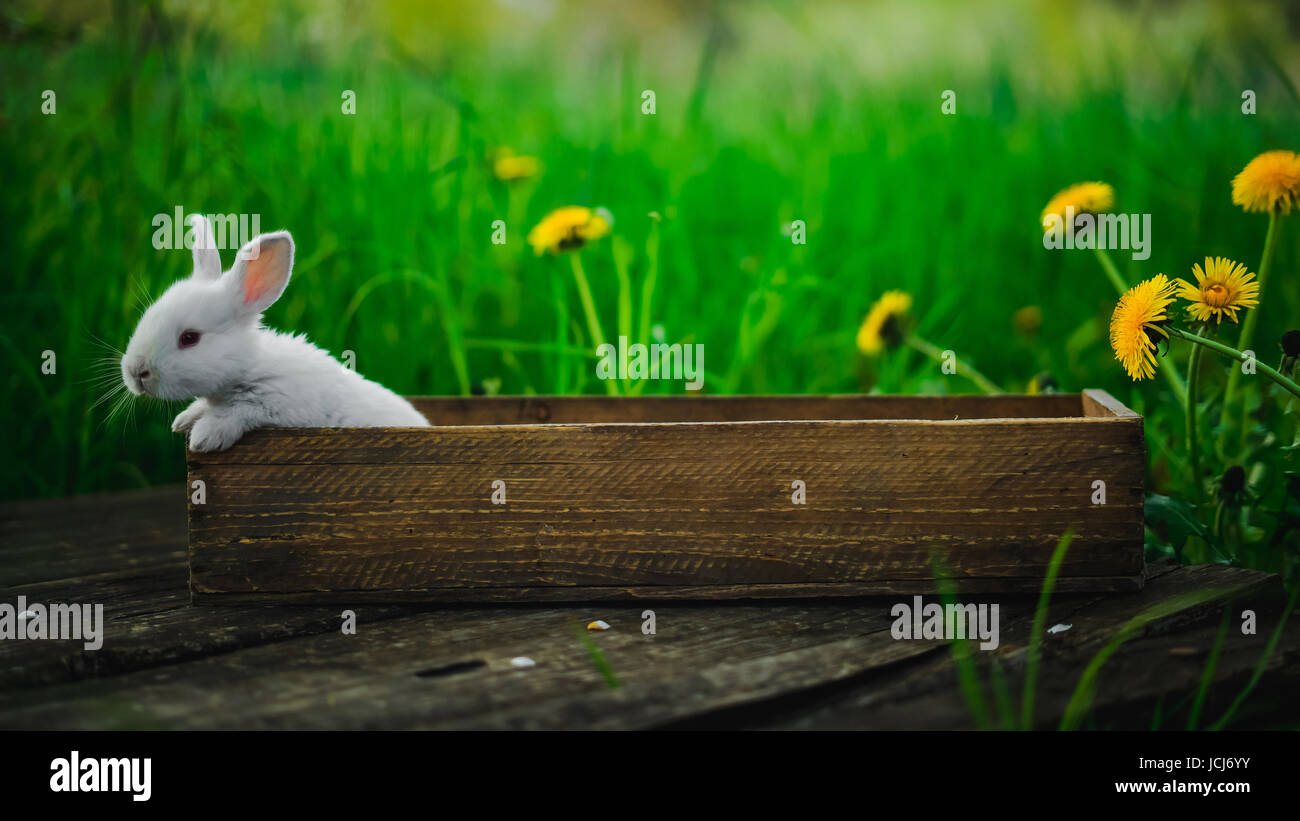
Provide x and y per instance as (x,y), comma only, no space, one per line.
(766,112)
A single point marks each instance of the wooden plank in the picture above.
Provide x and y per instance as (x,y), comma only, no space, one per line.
(451,669)
(460,445)
(781,664)
(715,592)
(1099,403)
(126,551)
(686,504)
(1030,585)
(148,622)
(388,676)
(46,539)
(521,410)
(927,696)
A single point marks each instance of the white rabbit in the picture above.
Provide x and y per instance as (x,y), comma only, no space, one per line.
(204,338)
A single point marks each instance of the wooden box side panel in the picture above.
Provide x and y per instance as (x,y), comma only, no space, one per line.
(1100,404)
(521,410)
(649,507)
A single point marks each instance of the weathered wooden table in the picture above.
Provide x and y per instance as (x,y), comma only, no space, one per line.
(789,664)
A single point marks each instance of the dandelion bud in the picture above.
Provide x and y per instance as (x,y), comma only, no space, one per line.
(1231,486)
(1232,481)
(1291,343)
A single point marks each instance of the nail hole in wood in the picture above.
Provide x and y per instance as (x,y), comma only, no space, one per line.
(451,669)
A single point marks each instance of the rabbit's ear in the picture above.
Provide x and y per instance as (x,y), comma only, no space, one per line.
(261,272)
(207,259)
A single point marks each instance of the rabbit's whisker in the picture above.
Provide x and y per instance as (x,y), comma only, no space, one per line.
(110,395)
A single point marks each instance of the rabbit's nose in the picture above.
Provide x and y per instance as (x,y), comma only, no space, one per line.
(140,373)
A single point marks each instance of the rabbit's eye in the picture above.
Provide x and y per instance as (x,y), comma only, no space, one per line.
(189,339)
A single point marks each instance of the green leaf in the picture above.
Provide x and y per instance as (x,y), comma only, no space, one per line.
(1174,520)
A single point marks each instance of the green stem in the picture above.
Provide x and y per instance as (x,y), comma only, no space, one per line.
(589,308)
(1233,353)
(1193,441)
(1112,272)
(560,297)
(648,290)
(648,285)
(1121,287)
(1249,323)
(1033,653)
(621,253)
(932,351)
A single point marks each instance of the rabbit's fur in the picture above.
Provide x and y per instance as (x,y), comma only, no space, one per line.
(204,338)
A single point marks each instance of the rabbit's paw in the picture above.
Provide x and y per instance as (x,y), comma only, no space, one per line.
(186,418)
(215,432)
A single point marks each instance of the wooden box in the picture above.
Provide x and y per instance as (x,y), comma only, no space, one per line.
(681,497)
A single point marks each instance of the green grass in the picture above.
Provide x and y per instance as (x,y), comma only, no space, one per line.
(1078,708)
(1080,703)
(779,114)
(597,657)
(1033,653)
(1258,672)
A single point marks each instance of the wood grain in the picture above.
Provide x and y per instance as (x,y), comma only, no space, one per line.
(530,410)
(48,539)
(730,665)
(694,508)
(1101,404)
(811,663)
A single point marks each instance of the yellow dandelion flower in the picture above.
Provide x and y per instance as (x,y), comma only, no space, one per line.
(509,167)
(1220,290)
(1084,197)
(1270,182)
(569,228)
(1136,325)
(880,328)
(1042,383)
